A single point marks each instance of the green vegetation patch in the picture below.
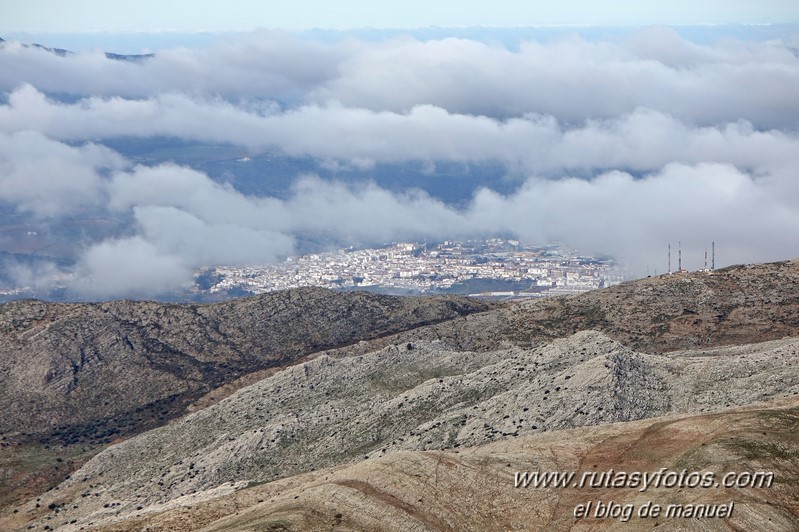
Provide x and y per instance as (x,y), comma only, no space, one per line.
(753,449)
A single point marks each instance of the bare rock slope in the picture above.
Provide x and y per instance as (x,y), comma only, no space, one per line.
(474,488)
(328,412)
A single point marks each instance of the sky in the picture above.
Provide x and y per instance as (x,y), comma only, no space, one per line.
(615,144)
(243,15)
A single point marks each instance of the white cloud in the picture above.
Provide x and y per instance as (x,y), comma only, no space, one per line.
(130,267)
(182,220)
(571,79)
(48,178)
(622,146)
(268,63)
(634,219)
(641,140)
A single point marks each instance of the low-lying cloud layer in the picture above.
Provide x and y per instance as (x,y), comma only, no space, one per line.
(643,139)
(624,147)
(571,79)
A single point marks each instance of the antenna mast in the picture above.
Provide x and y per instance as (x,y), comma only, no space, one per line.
(713,263)
(669,258)
(679,256)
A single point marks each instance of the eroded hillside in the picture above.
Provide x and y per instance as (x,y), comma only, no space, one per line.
(329,412)
(474,488)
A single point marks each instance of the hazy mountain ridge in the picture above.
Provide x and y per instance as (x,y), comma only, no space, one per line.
(62,52)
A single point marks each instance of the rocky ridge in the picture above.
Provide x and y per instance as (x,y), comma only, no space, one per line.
(730,306)
(94,372)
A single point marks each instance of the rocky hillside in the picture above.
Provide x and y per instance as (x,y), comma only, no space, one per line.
(329,412)
(93,372)
(473,489)
(382,375)
(63,362)
(736,305)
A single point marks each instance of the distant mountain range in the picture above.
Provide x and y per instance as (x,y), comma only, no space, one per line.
(63,53)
